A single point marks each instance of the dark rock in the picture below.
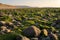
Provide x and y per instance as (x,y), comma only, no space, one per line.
(34,38)
(32,31)
(9,26)
(56,24)
(16,23)
(53,36)
(44,38)
(20,37)
(1,32)
(57,21)
(49,30)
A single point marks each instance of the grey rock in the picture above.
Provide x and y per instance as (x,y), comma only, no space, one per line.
(32,31)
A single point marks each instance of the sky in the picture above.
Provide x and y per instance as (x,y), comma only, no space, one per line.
(33,3)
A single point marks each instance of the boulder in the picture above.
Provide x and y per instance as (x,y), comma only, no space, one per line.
(32,31)
(2,23)
(9,25)
(53,36)
(20,37)
(8,30)
(3,28)
(45,32)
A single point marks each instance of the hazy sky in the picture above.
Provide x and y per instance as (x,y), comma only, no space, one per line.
(34,3)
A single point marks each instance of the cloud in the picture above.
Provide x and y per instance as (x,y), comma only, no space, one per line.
(39,3)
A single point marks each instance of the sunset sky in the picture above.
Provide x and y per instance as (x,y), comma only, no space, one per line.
(33,3)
